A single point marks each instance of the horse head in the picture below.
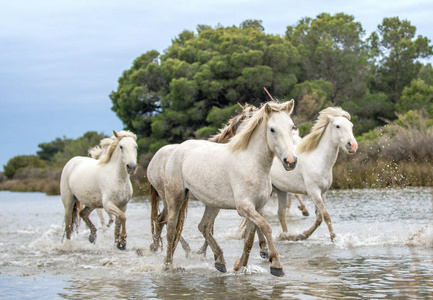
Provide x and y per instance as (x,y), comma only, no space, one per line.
(279,132)
(127,148)
(342,133)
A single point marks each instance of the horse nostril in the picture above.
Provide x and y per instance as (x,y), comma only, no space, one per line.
(292,164)
(131,167)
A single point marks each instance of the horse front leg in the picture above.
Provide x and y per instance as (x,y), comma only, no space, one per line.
(321,213)
(120,228)
(84,214)
(248,211)
(264,251)
(302,206)
(206,228)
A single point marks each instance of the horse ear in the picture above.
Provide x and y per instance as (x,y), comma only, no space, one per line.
(331,118)
(115,133)
(289,106)
(268,109)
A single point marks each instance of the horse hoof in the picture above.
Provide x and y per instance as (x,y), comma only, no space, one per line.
(92,239)
(300,237)
(277,272)
(305,214)
(264,255)
(237,266)
(154,247)
(221,267)
(121,246)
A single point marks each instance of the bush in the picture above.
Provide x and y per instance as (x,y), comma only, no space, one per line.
(20,162)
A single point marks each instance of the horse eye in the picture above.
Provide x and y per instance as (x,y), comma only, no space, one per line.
(338,126)
(121,147)
(272,130)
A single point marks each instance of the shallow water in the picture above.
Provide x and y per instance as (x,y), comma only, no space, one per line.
(383,249)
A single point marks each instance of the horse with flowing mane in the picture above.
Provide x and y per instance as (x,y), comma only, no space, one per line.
(230,176)
(100,183)
(156,175)
(317,153)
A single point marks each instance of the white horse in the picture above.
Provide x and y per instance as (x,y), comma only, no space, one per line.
(102,183)
(317,154)
(230,176)
(156,177)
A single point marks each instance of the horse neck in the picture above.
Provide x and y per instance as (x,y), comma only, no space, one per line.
(258,149)
(327,150)
(117,165)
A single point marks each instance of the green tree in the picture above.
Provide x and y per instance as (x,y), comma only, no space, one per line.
(397,52)
(48,150)
(216,67)
(311,96)
(332,49)
(77,147)
(417,96)
(370,111)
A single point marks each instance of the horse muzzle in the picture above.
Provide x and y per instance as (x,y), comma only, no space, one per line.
(131,168)
(351,147)
(290,165)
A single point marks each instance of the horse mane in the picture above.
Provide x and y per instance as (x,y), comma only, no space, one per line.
(233,124)
(240,140)
(311,141)
(106,147)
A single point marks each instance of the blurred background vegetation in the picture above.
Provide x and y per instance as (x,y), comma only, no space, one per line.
(194,87)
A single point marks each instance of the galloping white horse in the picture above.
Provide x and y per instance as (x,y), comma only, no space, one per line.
(156,176)
(317,154)
(230,176)
(102,183)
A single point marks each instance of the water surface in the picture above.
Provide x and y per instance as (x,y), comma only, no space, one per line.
(383,249)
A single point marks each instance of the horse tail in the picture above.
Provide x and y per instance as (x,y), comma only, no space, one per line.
(181,219)
(154,220)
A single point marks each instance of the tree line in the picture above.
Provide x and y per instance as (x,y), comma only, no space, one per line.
(193,87)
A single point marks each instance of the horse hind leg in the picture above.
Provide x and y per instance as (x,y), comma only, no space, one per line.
(177,201)
(72,210)
(84,214)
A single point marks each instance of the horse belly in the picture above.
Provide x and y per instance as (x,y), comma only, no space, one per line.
(83,182)
(208,187)
(214,198)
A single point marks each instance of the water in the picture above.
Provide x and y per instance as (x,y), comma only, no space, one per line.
(383,249)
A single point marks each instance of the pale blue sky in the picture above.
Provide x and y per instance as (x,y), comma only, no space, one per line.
(60,60)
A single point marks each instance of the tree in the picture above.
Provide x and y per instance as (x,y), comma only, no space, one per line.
(332,49)
(397,52)
(168,98)
(48,150)
(417,96)
(77,147)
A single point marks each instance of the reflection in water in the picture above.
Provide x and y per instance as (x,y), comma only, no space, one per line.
(383,249)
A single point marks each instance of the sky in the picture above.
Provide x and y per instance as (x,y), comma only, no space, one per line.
(60,60)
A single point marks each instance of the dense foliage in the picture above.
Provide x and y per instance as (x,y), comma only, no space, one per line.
(192,88)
